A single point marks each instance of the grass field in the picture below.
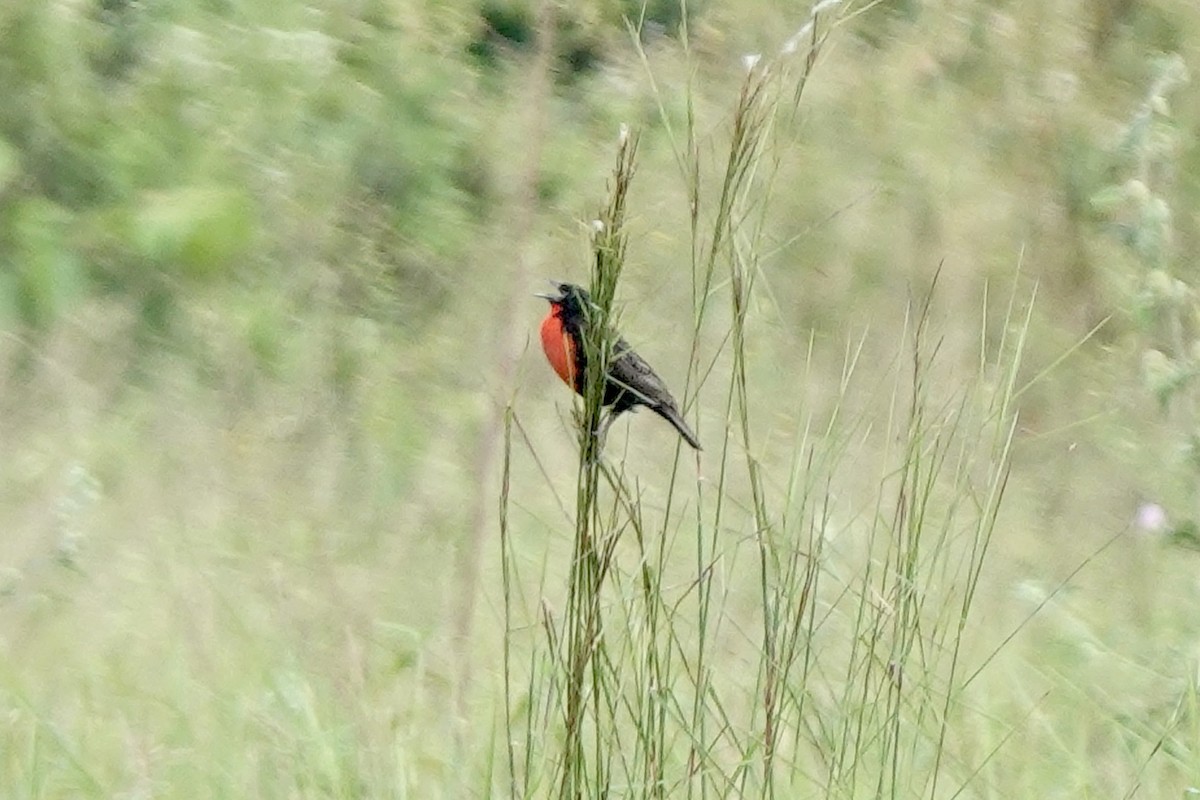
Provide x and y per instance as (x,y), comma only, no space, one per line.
(293,507)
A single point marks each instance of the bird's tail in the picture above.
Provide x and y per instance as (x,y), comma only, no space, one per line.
(672,415)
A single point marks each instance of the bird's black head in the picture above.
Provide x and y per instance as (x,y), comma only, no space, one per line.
(573,301)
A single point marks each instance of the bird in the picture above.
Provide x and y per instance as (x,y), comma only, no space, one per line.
(630,382)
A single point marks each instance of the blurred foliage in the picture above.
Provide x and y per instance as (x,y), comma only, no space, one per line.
(339,167)
(583,33)
(1164,299)
(183,146)
(160,155)
(168,155)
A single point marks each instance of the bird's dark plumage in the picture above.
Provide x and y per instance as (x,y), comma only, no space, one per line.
(630,380)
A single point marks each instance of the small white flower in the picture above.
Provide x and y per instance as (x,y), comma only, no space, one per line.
(793,44)
(1150,518)
(751,61)
(597,226)
(623,136)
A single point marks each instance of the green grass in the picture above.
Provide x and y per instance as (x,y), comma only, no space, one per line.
(292,508)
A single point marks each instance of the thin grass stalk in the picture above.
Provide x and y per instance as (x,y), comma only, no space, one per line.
(750,132)
(595,536)
(506,578)
(745,140)
(1006,427)
(650,717)
(908,527)
(743,189)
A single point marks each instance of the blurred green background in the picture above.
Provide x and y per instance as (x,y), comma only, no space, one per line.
(265,287)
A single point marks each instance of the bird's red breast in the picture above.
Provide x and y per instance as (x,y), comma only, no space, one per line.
(559,346)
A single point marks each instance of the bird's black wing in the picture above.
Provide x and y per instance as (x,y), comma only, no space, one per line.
(632,382)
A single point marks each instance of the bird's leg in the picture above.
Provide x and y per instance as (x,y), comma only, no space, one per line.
(605,424)
(595,443)
(590,439)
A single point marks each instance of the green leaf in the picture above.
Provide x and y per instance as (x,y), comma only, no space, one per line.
(1109,199)
(1161,375)
(1186,535)
(200,231)
(48,273)
(10,164)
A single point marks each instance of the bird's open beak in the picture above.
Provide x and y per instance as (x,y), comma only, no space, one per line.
(553,298)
